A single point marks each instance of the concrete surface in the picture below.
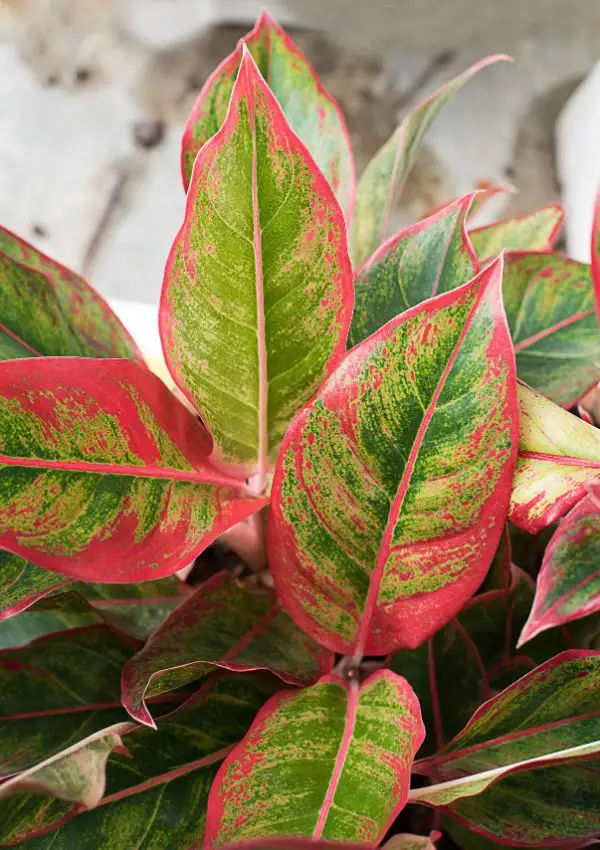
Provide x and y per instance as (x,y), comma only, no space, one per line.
(85,84)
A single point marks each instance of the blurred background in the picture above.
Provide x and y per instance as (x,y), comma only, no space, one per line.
(94,94)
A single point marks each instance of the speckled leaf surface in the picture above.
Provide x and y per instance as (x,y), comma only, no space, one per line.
(392,485)
(221,625)
(56,691)
(309,108)
(431,257)
(548,718)
(51,310)
(549,301)
(433,670)
(23,583)
(386,173)
(568,584)
(559,455)
(75,775)
(257,297)
(104,475)
(332,761)
(157,796)
(536,231)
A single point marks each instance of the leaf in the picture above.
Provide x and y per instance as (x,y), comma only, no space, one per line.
(523,742)
(467,840)
(431,257)
(259,214)
(499,574)
(156,797)
(386,173)
(135,610)
(104,475)
(77,774)
(391,487)
(220,625)
(331,761)
(433,669)
(559,455)
(568,584)
(23,583)
(57,691)
(311,111)
(48,309)
(536,231)
(549,301)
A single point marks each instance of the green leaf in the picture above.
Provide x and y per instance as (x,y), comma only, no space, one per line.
(23,583)
(527,743)
(220,625)
(75,775)
(433,669)
(499,573)
(257,297)
(157,796)
(48,309)
(386,173)
(331,761)
(104,474)
(392,485)
(311,111)
(568,584)
(559,455)
(549,301)
(431,257)
(536,231)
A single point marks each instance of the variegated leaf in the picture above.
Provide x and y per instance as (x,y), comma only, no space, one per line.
(104,475)
(532,740)
(309,108)
(431,257)
(23,583)
(331,761)
(221,625)
(386,173)
(257,297)
(559,455)
(48,309)
(392,485)
(549,301)
(433,669)
(568,584)
(536,231)
(76,774)
(156,797)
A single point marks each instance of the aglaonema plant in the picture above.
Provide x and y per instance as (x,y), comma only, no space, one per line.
(402,647)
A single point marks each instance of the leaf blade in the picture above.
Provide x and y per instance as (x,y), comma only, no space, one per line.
(536,231)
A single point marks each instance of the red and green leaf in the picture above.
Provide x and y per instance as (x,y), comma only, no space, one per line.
(534,739)
(392,485)
(431,257)
(433,669)
(568,584)
(104,475)
(331,761)
(311,111)
(536,231)
(257,297)
(221,625)
(76,774)
(49,310)
(157,795)
(386,173)
(559,456)
(23,583)
(549,301)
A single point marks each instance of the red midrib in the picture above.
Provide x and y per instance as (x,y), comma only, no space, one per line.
(576,317)
(259,627)
(340,760)
(149,471)
(18,339)
(386,543)
(560,460)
